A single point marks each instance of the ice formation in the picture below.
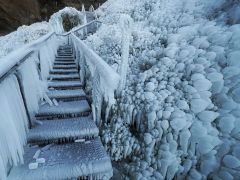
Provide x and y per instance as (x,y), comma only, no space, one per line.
(23,35)
(14,125)
(179,116)
(56,20)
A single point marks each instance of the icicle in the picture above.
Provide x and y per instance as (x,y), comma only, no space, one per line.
(126,27)
(91,8)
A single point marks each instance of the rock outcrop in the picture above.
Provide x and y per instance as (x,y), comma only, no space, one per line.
(14,13)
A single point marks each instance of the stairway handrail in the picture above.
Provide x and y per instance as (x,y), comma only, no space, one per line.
(99,63)
(12,61)
(105,80)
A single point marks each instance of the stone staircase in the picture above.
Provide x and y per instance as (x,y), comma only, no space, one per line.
(65,145)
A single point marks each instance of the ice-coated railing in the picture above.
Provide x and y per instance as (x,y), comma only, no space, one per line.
(23,75)
(104,79)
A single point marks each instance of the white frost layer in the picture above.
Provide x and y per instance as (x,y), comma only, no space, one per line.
(179,117)
(13,126)
(23,35)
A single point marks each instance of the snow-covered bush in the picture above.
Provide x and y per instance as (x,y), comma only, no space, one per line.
(23,35)
(178,116)
(66,19)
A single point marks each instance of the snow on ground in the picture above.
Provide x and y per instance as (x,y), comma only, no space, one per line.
(179,113)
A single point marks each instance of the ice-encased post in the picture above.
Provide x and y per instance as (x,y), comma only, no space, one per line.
(126,28)
(84,20)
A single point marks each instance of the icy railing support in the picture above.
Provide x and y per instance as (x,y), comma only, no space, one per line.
(22,76)
(126,27)
(104,79)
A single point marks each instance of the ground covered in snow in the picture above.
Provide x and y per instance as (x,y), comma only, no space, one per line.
(179,113)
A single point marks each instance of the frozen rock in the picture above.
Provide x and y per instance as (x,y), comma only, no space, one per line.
(150,86)
(198,105)
(225,175)
(207,116)
(178,123)
(40,160)
(165,124)
(202,84)
(147,138)
(37,153)
(236,151)
(151,119)
(149,96)
(234,59)
(236,94)
(215,76)
(197,76)
(194,174)
(207,143)
(181,104)
(230,71)
(226,123)
(32,166)
(231,161)
(184,140)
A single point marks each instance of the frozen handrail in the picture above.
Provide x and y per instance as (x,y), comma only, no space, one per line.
(10,62)
(104,78)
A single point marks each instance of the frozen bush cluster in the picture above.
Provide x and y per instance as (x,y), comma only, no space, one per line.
(23,35)
(178,116)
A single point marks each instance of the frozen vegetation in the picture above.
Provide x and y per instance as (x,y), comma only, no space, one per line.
(22,36)
(178,115)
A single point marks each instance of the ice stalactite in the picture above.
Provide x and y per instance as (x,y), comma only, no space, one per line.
(126,28)
(34,88)
(14,125)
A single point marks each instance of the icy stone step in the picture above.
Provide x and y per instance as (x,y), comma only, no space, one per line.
(64,84)
(64,71)
(66,57)
(64,130)
(65,66)
(64,110)
(67,95)
(64,63)
(63,77)
(68,161)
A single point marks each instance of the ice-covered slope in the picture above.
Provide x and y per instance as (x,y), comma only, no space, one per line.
(179,114)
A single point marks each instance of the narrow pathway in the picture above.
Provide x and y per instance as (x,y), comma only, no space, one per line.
(65,145)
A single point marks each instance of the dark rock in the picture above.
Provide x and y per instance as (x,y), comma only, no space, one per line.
(14,13)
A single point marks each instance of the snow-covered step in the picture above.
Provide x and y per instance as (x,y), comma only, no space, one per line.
(64,71)
(64,63)
(62,131)
(65,66)
(63,77)
(67,95)
(66,161)
(64,110)
(66,56)
(64,84)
